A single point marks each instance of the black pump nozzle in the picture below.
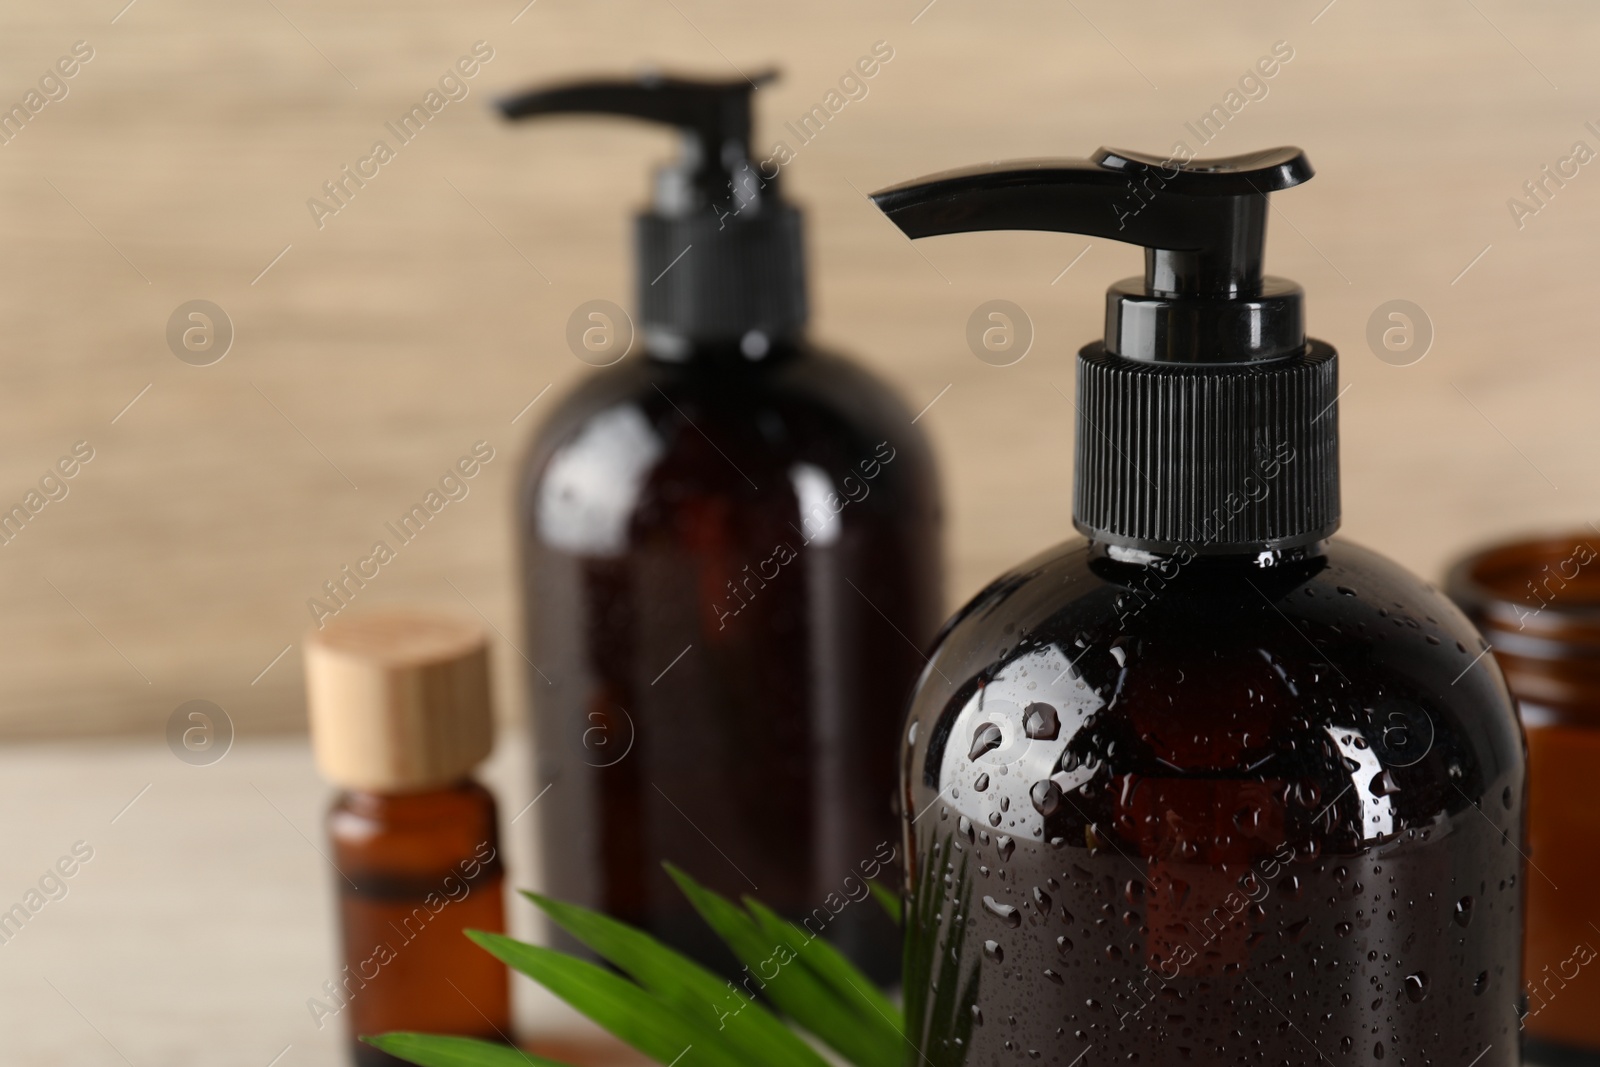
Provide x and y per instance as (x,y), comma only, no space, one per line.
(1207,421)
(1202,223)
(714,116)
(719,256)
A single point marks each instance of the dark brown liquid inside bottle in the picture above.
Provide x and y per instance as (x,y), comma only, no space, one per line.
(731,570)
(416,869)
(1538,604)
(1213,812)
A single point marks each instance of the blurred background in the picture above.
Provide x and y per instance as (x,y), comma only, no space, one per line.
(364,350)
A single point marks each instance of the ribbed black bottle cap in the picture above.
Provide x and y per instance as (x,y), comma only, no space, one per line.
(705,278)
(1210,459)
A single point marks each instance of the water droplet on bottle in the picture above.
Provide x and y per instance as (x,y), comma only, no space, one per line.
(1344,1044)
(1004,912)
(1041,723)
(1120,656)
(1417,987)
(1005,846)
(911,734)
(982,783)
(1289,886)
(965,826)
(1053,976)
(1377,1050)
(1342,929)
(1505,797)
(1383,784)
(986,738)
(1345,590)
(977,1015)
(1046,797)
(1480,983)
(1464,911)
(1041,900)
(1063,944)
(993,950)
(1306,793)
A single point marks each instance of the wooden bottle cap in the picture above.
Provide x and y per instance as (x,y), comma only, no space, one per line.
(399,699)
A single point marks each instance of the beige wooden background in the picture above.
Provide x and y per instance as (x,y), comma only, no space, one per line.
(429,311)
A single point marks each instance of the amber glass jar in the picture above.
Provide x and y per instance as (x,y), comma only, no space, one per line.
(1538,605)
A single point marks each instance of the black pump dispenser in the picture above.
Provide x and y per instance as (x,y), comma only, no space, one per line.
(1206,417)
(719,254)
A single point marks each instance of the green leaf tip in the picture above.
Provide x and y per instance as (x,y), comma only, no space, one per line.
(889,901)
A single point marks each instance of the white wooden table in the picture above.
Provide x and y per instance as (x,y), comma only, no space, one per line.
(204,919)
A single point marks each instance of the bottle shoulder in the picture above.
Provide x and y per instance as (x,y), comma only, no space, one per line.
(636,439)
(1347,602)
(813,389)
(416,832)
(1321,674)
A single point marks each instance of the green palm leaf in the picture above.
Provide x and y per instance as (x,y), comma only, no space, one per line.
(940,1001)
(437,1050)
(830,965)
(798,991)
(889,901)
(685,986)
(677,1012)
(632,1014)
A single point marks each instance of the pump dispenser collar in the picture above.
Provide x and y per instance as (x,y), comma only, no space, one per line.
(719,258)
(1207,420)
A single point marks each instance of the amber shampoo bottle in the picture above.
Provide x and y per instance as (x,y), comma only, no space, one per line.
(1205,787)
(731,565)
(400,716)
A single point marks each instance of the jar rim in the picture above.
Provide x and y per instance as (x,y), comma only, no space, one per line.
(1542,590)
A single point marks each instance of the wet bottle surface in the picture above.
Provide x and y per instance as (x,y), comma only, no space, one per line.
(418,869)
(1211,786)
(1213,812)
(731,567)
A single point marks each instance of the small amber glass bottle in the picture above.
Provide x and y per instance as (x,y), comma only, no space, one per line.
(1538,604)
(400,716)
